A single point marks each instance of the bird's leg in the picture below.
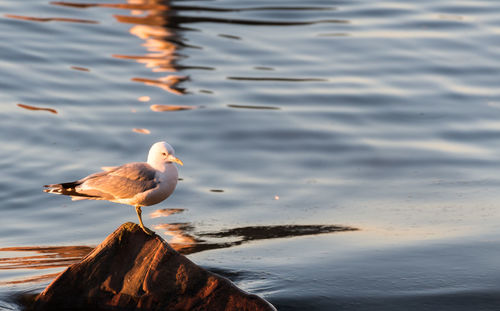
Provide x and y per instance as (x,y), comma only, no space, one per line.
(139,213)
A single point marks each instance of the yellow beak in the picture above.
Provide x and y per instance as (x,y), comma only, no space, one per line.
(171,158)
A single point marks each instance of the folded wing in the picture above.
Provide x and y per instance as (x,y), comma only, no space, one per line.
(121,182)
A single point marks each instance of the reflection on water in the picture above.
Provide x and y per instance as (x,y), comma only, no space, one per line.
(51,19)
(80,68)
(253,107)
(161,40)
(161,5)
(158,23)
(39,258)
(137,5)
(43,258)
(168,83)
(217,190)
(186,240)
(141,131)
(229,36)
(144,99)
(180,238)
(277,79)
(164,212)
(157,27)
(159,107)
(29,107)
(252,233)
(183,237)
(396,132)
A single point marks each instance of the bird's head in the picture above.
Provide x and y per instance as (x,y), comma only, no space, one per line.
(162,152)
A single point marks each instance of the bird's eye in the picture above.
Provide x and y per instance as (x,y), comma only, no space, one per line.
(163,153)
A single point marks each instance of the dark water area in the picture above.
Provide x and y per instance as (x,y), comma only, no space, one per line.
(338,155)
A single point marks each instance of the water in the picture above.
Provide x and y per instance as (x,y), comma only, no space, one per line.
(290,118)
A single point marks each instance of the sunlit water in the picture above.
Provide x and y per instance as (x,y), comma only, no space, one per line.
(297,123)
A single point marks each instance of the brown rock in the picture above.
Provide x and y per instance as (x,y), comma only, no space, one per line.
(133,271)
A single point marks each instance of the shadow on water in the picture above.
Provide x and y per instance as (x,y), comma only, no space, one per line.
(186,241)
(183,237)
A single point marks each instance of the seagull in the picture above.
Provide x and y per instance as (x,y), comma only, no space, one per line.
(137,183)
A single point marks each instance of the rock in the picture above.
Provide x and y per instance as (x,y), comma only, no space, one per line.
(131,270)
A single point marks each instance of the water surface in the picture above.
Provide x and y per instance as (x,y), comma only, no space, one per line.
(290,118)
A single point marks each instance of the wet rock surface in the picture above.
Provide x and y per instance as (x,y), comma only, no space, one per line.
(131,270)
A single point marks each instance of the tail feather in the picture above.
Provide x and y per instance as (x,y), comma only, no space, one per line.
(68,188)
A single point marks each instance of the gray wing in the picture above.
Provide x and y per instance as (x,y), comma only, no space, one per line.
(122,182)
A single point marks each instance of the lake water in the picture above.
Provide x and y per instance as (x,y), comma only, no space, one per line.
(339,155)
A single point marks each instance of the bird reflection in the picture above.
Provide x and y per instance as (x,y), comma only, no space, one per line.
(180,239)
(186,240)
(178,234)
(165,212)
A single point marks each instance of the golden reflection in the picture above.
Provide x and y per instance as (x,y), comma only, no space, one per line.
(42,257)
(181,236)
(186,240)
(180,239)
(141,131)
(170,107)
(39,258)
(28,107)
(165,212)
(157,22)
(34,279)
(133,5)
(50,19)
(144,99)
(152,24)
(168,83)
